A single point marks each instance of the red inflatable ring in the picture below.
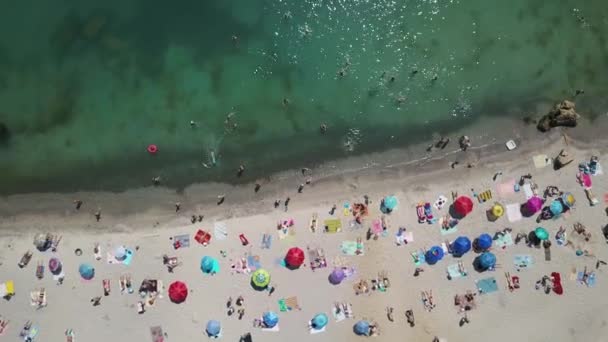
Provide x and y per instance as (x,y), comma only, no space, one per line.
(152,149)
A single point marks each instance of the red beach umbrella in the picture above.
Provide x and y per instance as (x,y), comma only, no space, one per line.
(463,205)
(178,292)
(294,257)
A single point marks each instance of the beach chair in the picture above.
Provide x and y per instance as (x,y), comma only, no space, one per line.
(25,259)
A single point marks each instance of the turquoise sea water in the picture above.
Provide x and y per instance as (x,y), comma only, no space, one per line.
(85,87)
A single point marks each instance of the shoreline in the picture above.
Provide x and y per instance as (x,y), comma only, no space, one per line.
(201,198)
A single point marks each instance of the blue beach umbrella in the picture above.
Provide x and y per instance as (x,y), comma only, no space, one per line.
(270,319)
(361,328)
(486,260)
(484,241)
(389,203)
(210,265)
(461,246)
(213,328)
(86,271)
(433,255)
(319,321)
(556,207)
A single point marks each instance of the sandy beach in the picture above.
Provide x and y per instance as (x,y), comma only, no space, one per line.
(145,220)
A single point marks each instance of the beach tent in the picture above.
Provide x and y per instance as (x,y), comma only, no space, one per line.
(556,207)
(463,205)
(55,266)
(433,255)
(120,253)
(86,271)
(534,204)
(260,278)
(214,328)
(484,242)
(178,292)
(319,321)
(361,328)
(541,233)
(294,257)
(270,319)
(388,204)
(209,265)
(461,246)
(568,199)
(486,261)
(336,276)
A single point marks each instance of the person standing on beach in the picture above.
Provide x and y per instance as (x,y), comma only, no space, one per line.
(178,206)
(239,173)
(98,215)
(78,204)
(257,187)
(333,210)
(287,203)
(220,199)
(277,203)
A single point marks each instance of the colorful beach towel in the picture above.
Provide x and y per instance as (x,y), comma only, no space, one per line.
(454,272)
(590,279)
(338,315)
(522,261)
(418,258)
(183,240)
(288,304)
(253,261)
(352,248)
(504,241)
(513,212)
(506,189)
(487,285)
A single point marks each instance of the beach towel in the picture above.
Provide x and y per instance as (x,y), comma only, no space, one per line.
(352,248)
(418,258)
(253,261)
(289,304)
(286,234)
(506,189)
(316,331)
(487,285)
(484,196)
(404,238)
(522,261)
(504,241)
(376,227)
(220,231)
(454,272)
(590,279)
(182,241)
(266,241)
(128,258)
(513,212)
(338,316)
(541,161)
(333,225)
(528,191)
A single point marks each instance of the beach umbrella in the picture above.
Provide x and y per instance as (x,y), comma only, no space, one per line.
(55,266)
(484,241)
(541,233)
(86,271)
(260,278)
(294,257)
(486,260)
(214,328)
(461,245)
(178,292)
(209,265)
(463,205)
(270,319)
(433,255)
(319,321)
(556,207)
(336,276)
(361,328)
(389,203)
(120,253)
(534,204)
(568,199)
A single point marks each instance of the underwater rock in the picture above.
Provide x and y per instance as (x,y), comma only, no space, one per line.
(94,26)
(5,134)
(562,114)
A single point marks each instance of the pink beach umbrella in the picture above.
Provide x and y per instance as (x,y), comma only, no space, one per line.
(534,204)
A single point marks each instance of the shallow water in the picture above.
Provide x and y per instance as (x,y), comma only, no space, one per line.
(84,88)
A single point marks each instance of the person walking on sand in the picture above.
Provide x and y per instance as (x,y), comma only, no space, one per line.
(257,187)
(287,203)
(333,210)
(271,290)
(300,188)
(220,199)
(98,215)
(178,206)
(240,171)
(78,204)
(156,180)
(277,203)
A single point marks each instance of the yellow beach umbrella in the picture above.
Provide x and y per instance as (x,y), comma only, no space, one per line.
(260,278)
(498,210)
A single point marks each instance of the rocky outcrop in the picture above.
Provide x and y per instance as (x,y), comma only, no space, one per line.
(563,114)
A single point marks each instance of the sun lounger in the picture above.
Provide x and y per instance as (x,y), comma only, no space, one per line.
(487,285)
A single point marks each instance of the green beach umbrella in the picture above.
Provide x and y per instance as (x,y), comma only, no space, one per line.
(541,233)
(260,278)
